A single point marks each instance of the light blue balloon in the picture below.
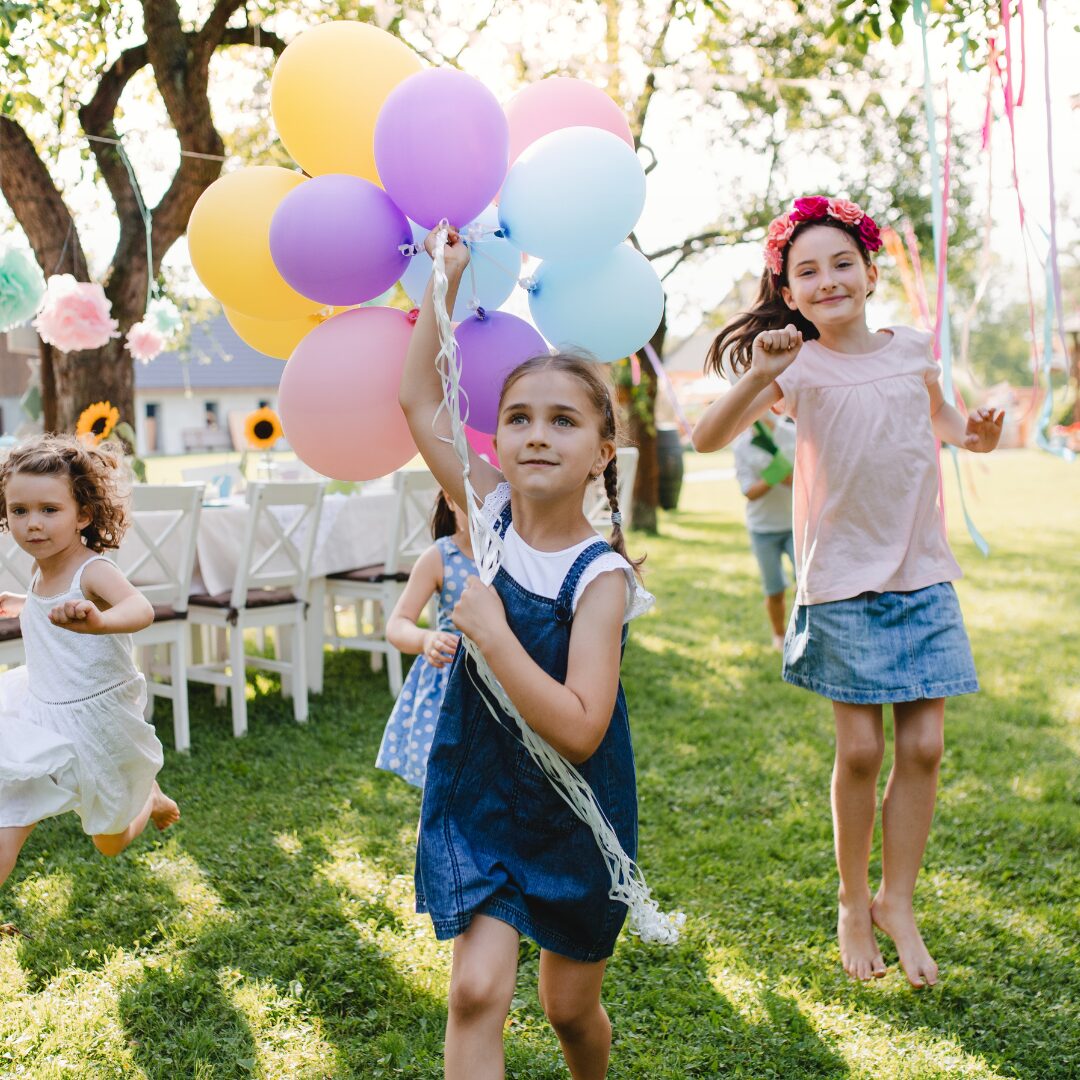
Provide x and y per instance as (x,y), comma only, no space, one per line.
(572,193)
(609,306)
(495,262)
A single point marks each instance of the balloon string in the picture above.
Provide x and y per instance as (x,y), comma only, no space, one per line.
(627,882)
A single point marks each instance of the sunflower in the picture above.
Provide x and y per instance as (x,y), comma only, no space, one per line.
(97,421)
(262,428)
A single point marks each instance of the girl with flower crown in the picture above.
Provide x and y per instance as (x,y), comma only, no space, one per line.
(876,619)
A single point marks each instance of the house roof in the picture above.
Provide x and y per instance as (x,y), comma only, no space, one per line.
(213,358)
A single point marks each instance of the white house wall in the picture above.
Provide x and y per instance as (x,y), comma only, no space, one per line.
(177,412)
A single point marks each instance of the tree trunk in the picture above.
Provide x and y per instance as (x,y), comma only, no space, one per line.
(643,436)
(105,374)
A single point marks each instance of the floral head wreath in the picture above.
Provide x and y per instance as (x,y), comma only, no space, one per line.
(816,208)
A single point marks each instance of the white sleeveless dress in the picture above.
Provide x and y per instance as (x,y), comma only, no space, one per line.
(72,733)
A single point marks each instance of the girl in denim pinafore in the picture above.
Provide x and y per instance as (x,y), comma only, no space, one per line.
(499,852)
(495,837)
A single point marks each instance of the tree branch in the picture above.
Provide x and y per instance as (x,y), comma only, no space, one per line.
(38,205)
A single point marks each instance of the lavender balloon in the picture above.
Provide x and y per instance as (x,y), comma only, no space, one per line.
(441,146)
(491,347)
(336,239)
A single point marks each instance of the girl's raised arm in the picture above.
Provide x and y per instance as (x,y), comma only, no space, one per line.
(420,394)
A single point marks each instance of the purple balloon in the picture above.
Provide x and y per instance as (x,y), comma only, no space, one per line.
(441,146)
(491,347)
(335,239)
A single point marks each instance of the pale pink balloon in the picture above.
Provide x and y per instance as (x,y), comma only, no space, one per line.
(338,397)
(560,102)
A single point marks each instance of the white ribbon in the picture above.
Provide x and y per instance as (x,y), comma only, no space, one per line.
(627,882)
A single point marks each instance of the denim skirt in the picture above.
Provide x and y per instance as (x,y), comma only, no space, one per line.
(881,647)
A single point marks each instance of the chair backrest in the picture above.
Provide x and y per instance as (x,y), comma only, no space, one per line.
(596,504)
(408,529)
(158,553)
(279,538)
(226,477)
(16,565)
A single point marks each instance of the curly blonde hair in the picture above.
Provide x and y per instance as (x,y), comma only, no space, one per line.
(98,476)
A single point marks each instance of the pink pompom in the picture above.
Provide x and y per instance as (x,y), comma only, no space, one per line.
(144,342)
(75,315)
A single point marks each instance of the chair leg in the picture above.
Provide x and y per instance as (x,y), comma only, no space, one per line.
(393,668)
(313,636)
(219,646)
(283,650)
(299,668)
(238,683)
(178,674)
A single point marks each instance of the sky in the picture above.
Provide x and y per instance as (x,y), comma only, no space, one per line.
(688,188)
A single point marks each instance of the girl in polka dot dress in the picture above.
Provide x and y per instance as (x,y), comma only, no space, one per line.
(443,569)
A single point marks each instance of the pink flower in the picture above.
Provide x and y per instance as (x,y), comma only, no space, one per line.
(869,233)
(780,230)
(846,211)
(75,315)
(144,342)
(810,208)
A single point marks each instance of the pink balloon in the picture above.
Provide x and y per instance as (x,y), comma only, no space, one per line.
(483,444)
(561,102)
(338,397)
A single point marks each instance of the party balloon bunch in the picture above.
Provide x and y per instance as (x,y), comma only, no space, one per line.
(389,151)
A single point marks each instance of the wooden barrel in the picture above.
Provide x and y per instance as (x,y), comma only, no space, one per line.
(669,456)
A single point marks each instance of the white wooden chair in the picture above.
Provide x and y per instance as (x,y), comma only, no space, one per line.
(16,568)
(596,504)
(271,589)
(378,587)
(159,548)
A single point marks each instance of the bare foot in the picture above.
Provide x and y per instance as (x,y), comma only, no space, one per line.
(898,921)
(11,930)
(164,812)
(859,950)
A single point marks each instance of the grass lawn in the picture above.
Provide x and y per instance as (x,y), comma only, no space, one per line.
(271,933)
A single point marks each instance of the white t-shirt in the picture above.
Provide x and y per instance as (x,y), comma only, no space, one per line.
(772,512)
(543,572)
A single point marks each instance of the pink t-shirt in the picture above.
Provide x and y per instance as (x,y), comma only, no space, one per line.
(866,470)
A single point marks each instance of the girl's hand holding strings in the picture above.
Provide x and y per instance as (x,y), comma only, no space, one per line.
(774,351)
(479,613)
(983,430)
(455,254)
(81,616)
(439,647)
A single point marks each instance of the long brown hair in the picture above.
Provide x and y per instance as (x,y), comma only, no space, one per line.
(735,342)
(443,518)
(600,395)
(97,475)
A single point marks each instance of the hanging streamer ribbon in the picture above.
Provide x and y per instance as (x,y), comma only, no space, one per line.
(938,194)
(627,882)
(664,380)
(895,247)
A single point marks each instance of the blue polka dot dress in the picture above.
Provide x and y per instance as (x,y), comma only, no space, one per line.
(407,739)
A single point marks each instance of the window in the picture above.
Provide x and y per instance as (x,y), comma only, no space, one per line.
(211,408)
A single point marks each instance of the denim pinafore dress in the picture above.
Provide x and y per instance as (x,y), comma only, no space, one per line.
(495,837)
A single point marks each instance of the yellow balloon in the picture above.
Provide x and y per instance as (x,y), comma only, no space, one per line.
(327,90)
(277,337)
(229,241)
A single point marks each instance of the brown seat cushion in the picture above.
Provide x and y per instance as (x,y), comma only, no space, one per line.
(369,575)
(167,613)
(10,630)
(255,598)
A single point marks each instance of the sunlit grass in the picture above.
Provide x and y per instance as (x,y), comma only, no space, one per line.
(271,934)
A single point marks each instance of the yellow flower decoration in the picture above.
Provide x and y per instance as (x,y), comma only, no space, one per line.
(262,428)
(97,421)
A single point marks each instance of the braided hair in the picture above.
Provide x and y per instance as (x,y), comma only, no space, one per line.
(599,392)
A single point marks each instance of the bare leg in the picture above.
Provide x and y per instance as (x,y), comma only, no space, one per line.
(774,608)
(159,808)
(860,745)
(481,988)
(570,995)
(11,842)
(906,814)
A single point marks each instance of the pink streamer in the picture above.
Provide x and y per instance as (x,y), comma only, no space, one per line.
(665,380)
(920,281)
(943,236)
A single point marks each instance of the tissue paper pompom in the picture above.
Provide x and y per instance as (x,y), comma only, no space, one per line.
(164,316)
(75,315)
(22,285)
(144,342)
